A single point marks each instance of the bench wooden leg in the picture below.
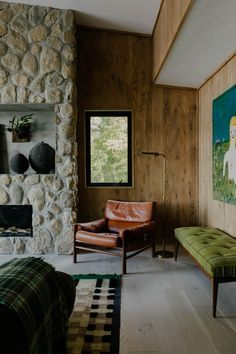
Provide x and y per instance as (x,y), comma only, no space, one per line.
(214,293)
(176,249)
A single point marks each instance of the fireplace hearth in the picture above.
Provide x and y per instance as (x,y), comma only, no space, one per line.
(16,221)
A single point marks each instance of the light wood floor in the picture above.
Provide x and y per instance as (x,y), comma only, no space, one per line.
(166,306)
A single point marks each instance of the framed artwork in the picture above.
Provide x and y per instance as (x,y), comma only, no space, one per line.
(224,147)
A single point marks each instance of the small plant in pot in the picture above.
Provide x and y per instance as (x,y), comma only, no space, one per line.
(20,128)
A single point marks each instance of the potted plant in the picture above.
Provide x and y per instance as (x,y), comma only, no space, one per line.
(20,128)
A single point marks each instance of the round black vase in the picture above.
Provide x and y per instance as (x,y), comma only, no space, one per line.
(19,163)
(42,158)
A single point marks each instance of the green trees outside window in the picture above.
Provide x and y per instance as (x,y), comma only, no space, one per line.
(108,148)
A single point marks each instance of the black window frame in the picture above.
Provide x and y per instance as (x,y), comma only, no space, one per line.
(107,113)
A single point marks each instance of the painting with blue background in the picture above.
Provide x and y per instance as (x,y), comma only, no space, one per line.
(224,108)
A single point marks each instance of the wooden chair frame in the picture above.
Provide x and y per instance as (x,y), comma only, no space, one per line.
(118,251)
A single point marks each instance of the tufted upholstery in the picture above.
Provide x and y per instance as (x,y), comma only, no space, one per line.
(214,250)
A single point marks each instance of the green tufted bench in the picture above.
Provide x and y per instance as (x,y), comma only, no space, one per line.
(214,250)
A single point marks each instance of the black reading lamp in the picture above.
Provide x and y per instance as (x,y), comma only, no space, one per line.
(163,253)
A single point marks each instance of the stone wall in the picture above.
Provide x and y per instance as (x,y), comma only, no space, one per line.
(37,65)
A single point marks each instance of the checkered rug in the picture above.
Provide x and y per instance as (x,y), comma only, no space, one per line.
(94,325)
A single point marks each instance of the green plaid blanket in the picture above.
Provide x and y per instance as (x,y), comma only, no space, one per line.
(29,287)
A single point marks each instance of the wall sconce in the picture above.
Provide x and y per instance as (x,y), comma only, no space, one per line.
(163,253)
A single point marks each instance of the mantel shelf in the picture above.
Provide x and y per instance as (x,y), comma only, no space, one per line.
(27,107)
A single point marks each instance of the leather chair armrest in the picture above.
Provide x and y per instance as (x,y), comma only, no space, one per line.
(92,226)
(143,232)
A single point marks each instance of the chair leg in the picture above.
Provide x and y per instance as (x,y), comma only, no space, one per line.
(124,260)
(176,249)
(75,254)
(215,293)
(74,244)
(153,249)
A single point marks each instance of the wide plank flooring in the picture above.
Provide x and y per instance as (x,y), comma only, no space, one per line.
(166,306)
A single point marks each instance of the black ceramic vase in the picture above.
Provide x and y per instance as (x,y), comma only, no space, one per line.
(42,158)
(19,163)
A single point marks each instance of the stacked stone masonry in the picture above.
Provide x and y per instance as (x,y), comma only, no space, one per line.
(38,65)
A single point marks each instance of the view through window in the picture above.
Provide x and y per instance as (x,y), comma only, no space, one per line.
(108,148)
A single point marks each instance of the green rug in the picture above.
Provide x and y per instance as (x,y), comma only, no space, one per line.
(94,325)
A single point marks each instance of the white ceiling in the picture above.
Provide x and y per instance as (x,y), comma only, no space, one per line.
(206,39)
(137,16)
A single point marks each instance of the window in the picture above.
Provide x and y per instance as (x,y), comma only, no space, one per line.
(108,148)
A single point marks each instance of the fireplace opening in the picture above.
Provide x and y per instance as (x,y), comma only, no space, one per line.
(16,221)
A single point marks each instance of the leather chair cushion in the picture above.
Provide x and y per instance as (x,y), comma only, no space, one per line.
(110,240)
(118,226)
(92,226)
(128,211)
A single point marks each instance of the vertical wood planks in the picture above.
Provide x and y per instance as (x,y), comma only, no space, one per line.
(171,16)
(114,72)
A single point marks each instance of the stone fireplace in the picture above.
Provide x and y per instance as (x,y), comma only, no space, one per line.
(38,68)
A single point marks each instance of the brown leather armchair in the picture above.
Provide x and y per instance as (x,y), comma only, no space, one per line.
(126,228)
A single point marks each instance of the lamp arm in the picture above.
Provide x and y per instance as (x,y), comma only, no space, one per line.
(155,153)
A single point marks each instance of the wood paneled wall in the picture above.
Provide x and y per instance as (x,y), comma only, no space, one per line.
(171,16)
(174,110)
(212,212)
(114,72)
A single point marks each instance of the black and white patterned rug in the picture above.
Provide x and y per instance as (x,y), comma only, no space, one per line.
(94,325)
